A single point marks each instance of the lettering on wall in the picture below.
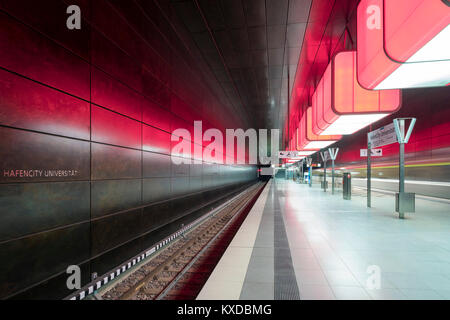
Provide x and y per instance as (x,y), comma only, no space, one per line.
(36,173)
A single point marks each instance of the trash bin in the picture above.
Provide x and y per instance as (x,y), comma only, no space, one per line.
(347,186)
(405,202)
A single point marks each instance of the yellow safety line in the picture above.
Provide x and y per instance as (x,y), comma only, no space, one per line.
(409,165)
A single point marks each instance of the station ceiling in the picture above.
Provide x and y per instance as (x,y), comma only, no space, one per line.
(251,48)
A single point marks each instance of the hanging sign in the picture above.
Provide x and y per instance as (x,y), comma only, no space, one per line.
(382,136)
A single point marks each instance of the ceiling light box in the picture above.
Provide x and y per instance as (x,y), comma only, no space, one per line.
(403,43)
(341,106)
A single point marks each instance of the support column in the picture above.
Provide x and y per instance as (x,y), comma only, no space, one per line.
(369,175)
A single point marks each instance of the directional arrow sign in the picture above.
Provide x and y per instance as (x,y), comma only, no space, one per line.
(287,154)
(373,153)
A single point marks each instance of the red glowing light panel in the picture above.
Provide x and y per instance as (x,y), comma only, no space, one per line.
(307,139)
(403,43)
(342,106)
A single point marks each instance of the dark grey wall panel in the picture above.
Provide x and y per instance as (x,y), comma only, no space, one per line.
(180,170)
(179,186)
(109,196)
(156,215)
(110,162)
(156,165)
(29,157)
(195,183)
(54,288)
(151,238)
(32,207)
(29,260)
(196,169)
(155,189)
(210,169)
(111,231)
(188,203)
(116,256)
(207,181)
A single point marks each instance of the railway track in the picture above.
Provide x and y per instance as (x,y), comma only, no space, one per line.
(180,270)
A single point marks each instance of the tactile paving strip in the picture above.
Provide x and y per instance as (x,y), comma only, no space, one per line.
(285,285)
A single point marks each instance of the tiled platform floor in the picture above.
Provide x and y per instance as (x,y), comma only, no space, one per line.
(327,244)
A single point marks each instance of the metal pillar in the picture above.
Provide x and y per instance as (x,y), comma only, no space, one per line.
(324,156)
(333,154)
(369,175)
(332,176)
(405,202)
(302,178)
(310,176)
(309,163)
(401,168)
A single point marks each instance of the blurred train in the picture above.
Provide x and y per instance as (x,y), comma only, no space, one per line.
(428,179)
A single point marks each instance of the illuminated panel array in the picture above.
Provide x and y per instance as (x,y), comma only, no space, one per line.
(293,147)
(403,43)
(342,106)
(306,139)
(300,154)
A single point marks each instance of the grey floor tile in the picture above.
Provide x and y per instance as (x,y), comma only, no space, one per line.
(421,294)
(386,294)
(350,293)
(257,291)
(316,292)
(341,278)
(332,242)
(311,277)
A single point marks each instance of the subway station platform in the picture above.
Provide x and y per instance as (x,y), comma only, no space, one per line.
(302,243)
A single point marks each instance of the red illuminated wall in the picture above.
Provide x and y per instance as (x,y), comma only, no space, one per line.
(325,35)
(85,122)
